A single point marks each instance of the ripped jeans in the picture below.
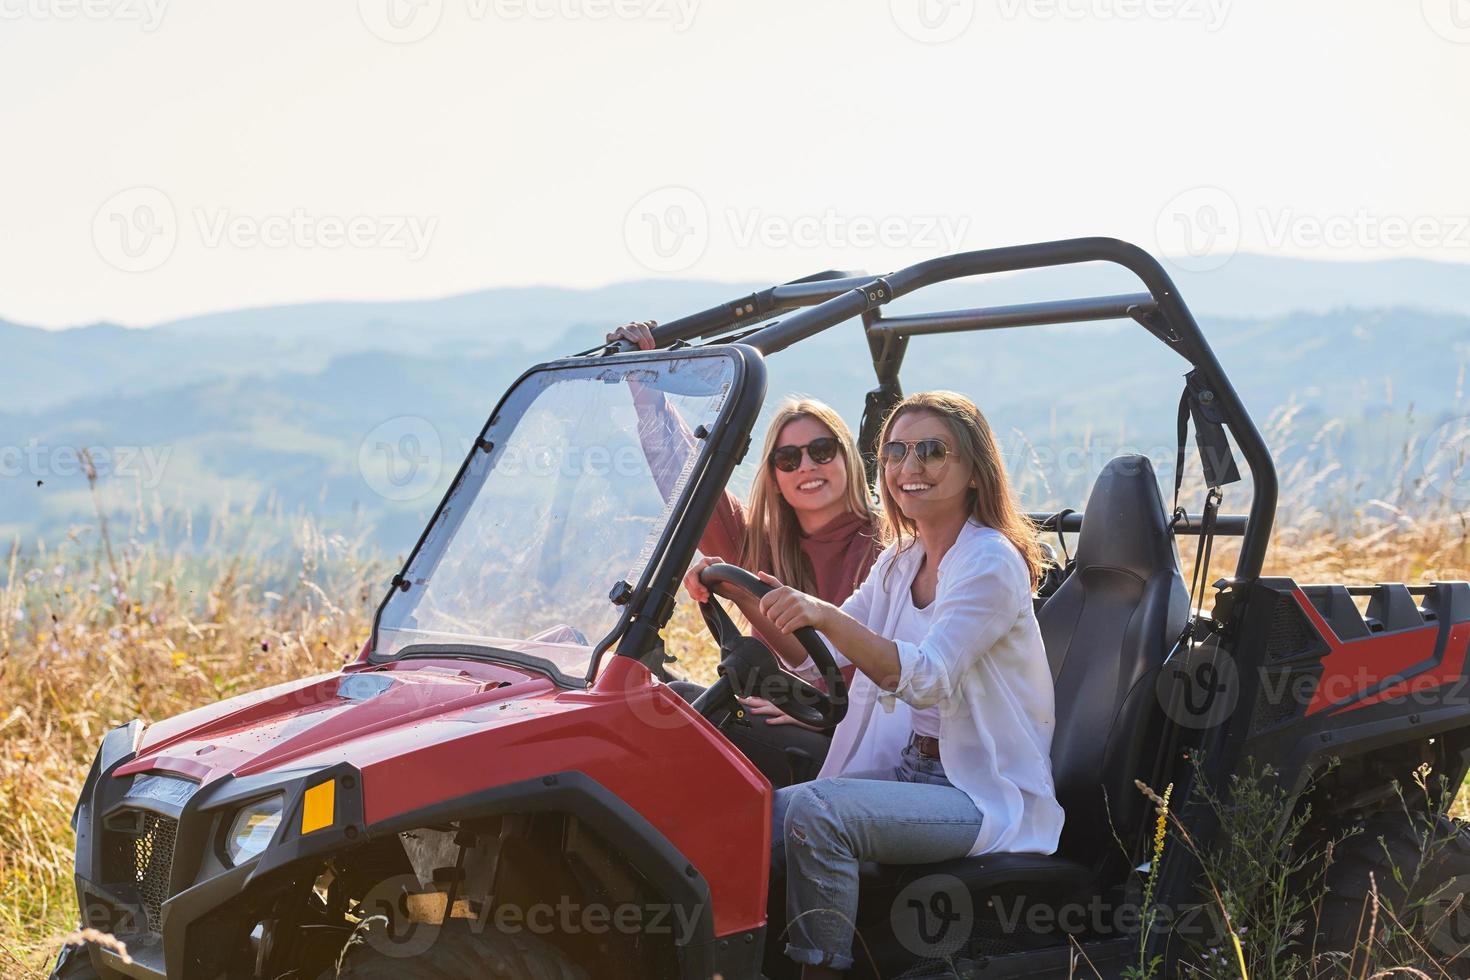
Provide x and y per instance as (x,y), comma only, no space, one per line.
(822,831)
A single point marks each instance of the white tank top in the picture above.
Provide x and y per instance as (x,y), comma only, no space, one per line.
(912,627)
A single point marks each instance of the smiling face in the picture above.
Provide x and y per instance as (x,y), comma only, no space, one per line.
(927,492)
(816,491)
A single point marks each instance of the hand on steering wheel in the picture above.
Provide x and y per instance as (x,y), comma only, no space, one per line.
(790,609)
(696,588)
(762,708)
(748,668)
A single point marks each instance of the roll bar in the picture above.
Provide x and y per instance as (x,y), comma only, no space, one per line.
(1161,311)
(758,306)
(1025,315)
(1226,525)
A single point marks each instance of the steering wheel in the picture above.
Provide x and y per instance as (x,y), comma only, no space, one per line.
(748,668)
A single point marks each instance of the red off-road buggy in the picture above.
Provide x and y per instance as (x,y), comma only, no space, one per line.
(501,785)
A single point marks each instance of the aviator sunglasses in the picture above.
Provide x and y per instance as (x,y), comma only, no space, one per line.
(788,458)
(929,452)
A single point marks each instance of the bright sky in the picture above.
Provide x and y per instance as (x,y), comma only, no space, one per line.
(160,158)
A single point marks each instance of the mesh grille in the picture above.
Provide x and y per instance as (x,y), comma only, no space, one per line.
(990,937)
(1290,634)
(1279,701)
(144,859)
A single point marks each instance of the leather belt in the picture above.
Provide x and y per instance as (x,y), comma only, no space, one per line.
(927,745)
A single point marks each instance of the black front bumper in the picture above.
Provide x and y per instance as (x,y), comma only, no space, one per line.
(152,871)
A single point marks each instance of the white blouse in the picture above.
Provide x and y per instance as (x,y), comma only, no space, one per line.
(982,665)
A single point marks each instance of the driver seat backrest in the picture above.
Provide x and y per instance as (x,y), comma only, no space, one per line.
(1107,630)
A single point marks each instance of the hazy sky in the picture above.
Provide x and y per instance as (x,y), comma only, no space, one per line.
(164,158)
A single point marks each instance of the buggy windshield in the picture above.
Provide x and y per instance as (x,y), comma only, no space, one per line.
(563,498)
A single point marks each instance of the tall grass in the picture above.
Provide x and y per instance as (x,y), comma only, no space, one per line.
(95,632)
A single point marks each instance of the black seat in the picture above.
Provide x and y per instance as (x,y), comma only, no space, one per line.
(1107,630)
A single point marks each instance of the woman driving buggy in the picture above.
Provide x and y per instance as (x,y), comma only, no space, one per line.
(945,747)
(809,522)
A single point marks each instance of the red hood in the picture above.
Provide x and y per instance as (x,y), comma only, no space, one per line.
(333,716)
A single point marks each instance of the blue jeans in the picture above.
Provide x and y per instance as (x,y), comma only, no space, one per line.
(822,831)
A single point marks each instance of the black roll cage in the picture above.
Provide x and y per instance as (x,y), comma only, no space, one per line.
(826,299)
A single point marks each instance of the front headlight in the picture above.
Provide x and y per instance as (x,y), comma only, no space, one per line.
(253,828)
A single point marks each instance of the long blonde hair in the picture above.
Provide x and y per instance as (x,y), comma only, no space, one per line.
(772,531)
(992,501)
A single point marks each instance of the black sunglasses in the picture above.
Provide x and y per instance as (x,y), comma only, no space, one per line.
(788,458)
(929,452)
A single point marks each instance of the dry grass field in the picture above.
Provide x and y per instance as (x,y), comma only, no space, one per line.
(97,629)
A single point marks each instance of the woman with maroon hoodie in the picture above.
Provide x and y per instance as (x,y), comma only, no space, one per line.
(810,520)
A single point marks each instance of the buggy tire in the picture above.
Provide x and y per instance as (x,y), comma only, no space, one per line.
(74,962)
(459,954)
(1348,886)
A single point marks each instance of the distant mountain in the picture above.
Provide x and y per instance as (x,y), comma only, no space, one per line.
(1359,385)
(44,369)
(47,368)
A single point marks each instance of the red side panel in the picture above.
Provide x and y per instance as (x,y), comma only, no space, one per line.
(1450,670)
(1352,669)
